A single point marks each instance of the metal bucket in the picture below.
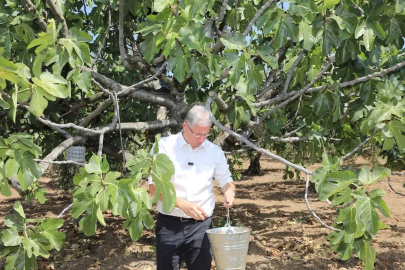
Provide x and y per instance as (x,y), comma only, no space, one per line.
(229,249)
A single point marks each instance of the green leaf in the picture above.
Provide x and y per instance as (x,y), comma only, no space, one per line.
(179,65)
(146,218)
(13,103)
(163,165)
(238,64)
(330,38)
(135,229)
(34,247)
(37,66)
(4,186)
(349,49)
(5,39)
(50,231)
(83,80)
(94,165)
(399,6)
(286,29)
(88,223)
(367,254)
(79,207)
(38,103)
(11,167)
(378,173)
(366,212)
(274,125)
(40,195)
(237,114)
(18,208)
(166,188)
(141,162)
(150,46)
(322,102)
(235,43)
(397,127)
(346,19)
(306,34)
(19,260)
(199,70)
(10,237)
(334,183)
(160,5)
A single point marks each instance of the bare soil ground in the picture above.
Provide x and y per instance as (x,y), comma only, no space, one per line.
(284,236)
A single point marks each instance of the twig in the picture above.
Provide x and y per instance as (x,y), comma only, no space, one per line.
(290,73)
(100,145)
(65,210)
(104,40)
(134,86)
(312,211)
(360,145)
(389,183)
(256,17)
(117,106)
(236,15)
(60,162)
(294,131)
(296,93)
(295,115)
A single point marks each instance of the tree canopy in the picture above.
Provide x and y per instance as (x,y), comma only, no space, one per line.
(325,76)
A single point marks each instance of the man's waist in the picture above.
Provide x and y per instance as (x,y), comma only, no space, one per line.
(181,219)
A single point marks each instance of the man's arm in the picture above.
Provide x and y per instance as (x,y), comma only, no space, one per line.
(229,193)
(190,209)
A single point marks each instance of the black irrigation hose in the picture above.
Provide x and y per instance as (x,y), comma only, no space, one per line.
(389,183)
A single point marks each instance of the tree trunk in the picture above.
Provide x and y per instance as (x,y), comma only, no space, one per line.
(254,167)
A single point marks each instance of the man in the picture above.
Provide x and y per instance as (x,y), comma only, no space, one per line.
(197,161)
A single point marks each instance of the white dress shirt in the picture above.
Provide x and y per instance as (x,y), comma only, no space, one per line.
(193,183)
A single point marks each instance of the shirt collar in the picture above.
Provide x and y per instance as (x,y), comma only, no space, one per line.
(182,141)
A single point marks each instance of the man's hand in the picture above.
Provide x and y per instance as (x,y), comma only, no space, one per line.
(191,209)
(229,194)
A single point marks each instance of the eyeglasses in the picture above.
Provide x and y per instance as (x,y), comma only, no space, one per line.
(197,135)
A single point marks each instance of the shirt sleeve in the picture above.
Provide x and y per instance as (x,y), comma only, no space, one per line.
(221,172)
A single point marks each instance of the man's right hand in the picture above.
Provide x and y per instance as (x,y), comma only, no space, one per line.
(191,209)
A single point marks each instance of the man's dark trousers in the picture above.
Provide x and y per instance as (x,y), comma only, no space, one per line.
(176,237)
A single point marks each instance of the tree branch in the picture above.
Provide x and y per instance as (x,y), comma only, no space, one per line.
(29,6)
(59,17)
(360,145)
(290,73)
(253,146)
(121,42)
(141,127)
(222,13)
(59,150)
(289,140)
(222,105)
(312,211)
(256,17)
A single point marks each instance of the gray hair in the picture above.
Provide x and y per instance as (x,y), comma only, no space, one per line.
(198,114)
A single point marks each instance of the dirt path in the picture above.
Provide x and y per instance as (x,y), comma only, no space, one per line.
(284,234)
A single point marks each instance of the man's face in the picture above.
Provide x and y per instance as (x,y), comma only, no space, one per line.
(195,134)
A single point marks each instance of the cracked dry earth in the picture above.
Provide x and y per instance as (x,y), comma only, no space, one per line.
(284,234)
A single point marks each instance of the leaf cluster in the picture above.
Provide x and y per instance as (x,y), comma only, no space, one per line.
(26,239)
